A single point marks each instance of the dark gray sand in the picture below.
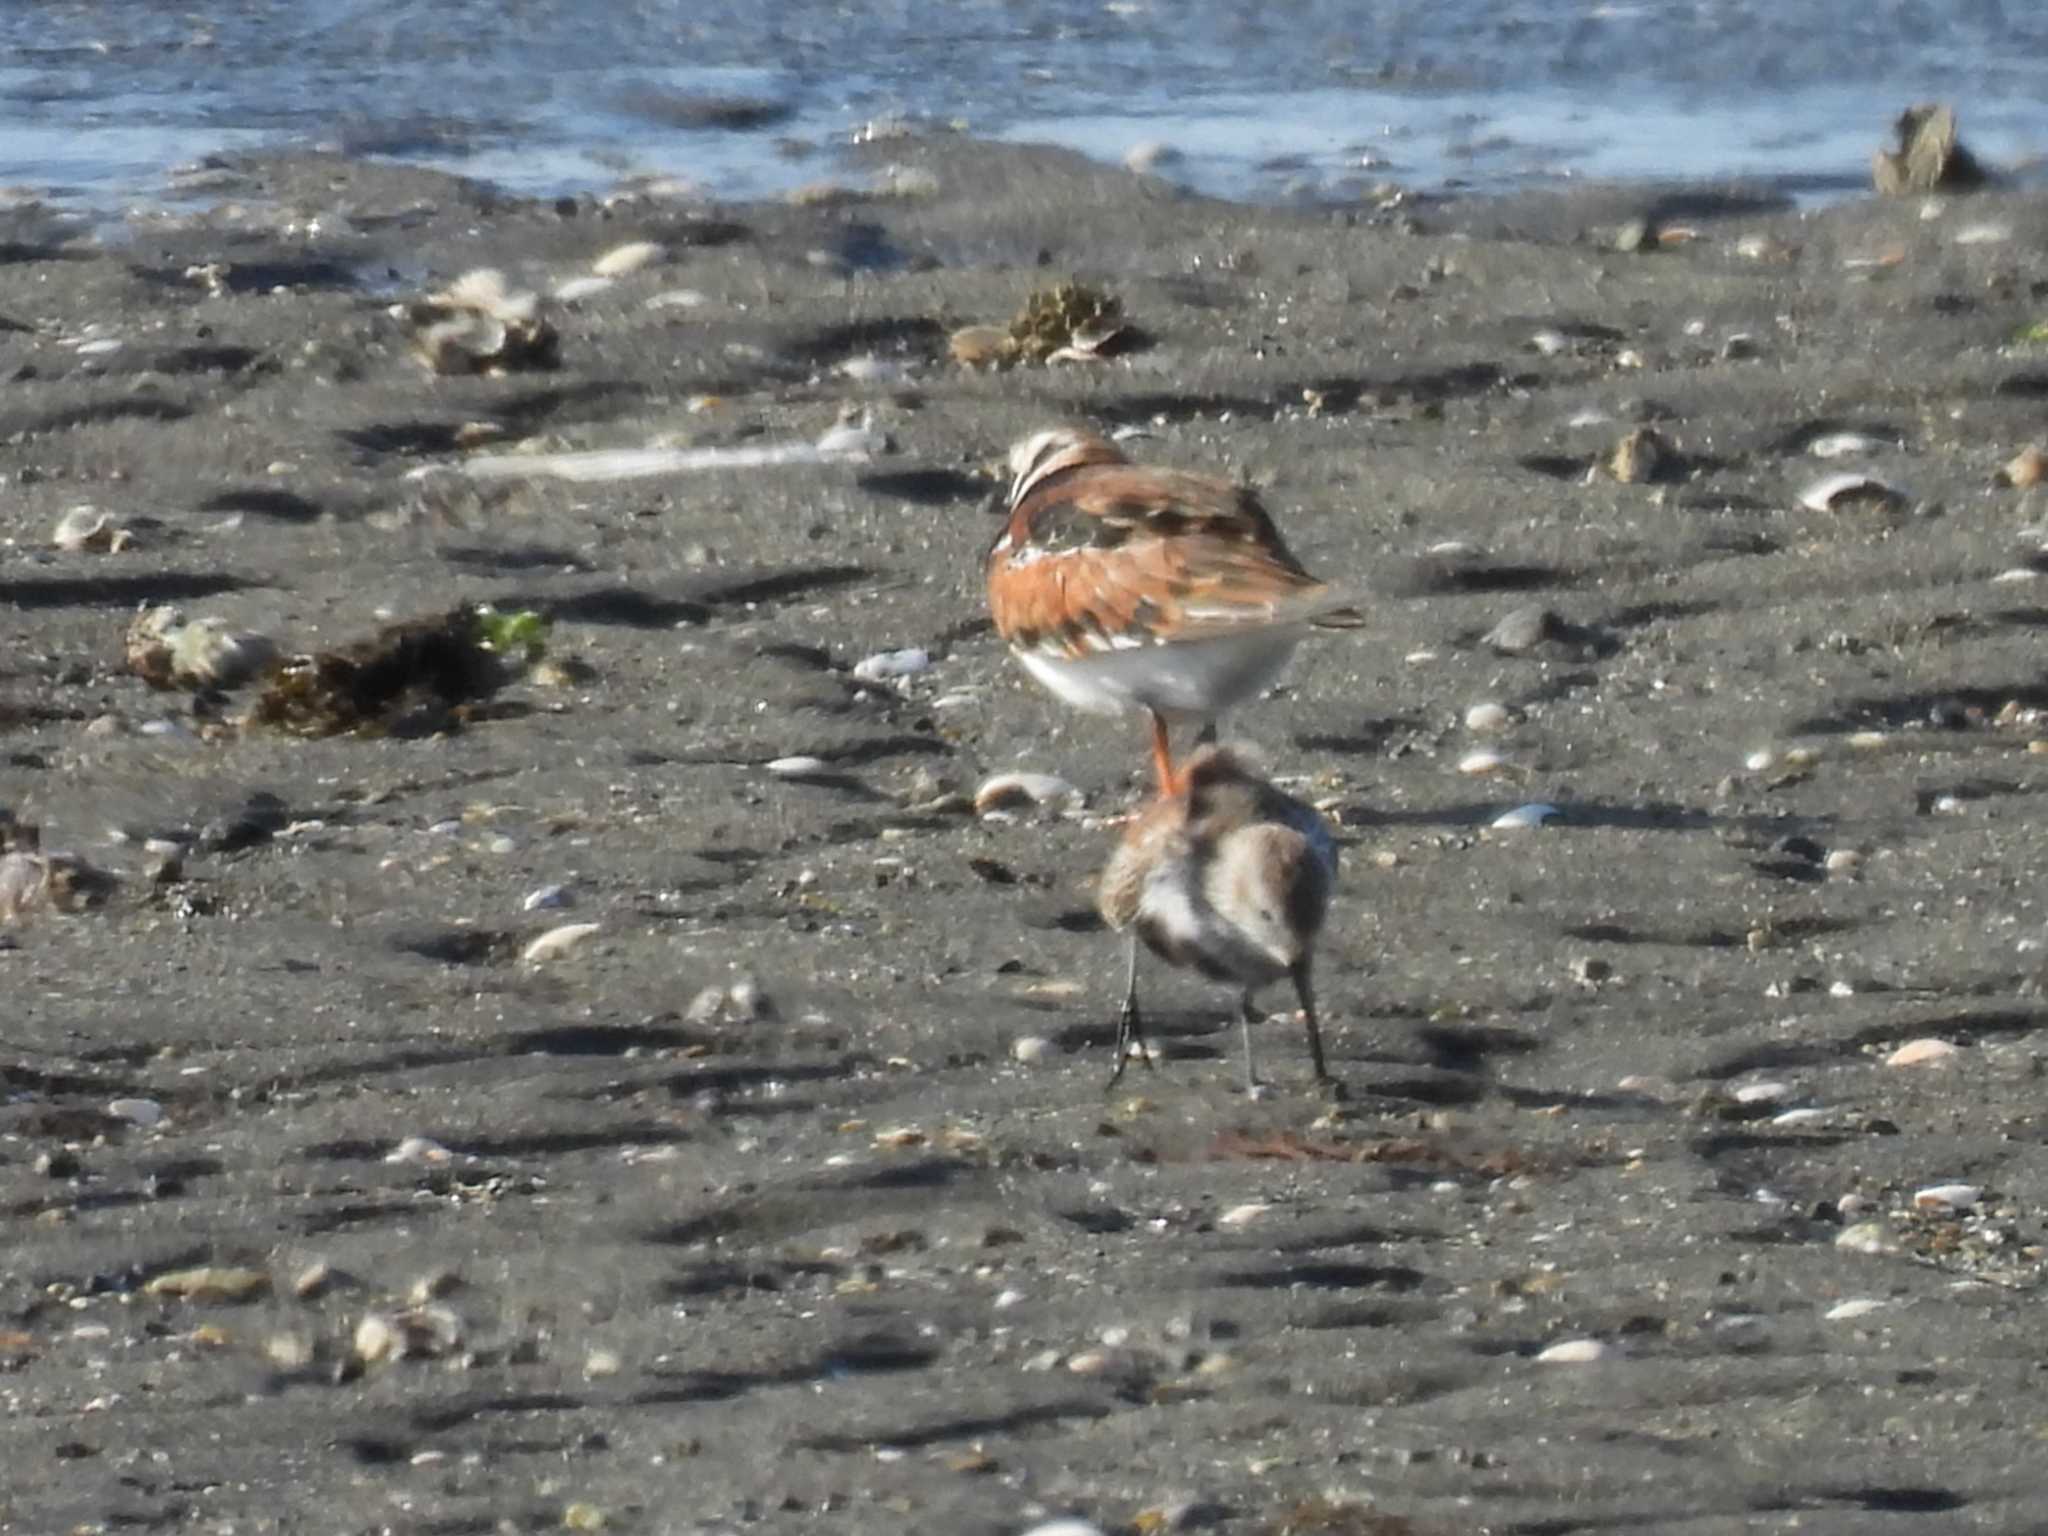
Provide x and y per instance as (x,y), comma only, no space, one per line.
(839,1260)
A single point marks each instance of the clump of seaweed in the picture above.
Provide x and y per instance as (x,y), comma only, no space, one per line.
(477,324)
(1929,156)
(32,879)
(408,678)
(1069,322)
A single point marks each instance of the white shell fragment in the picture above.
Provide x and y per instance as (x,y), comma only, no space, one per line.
(630,257)
(1843,445)
(1030,1050)
(1243,1215)
(1007,791)
(1534,814)
(1854,1307)
(422,1150)
(88,527)
(843,444)
(798,767)
(1575,1352)
(574,289)
(1946,1197)
(1484,761)
(1924,1052)
(884,665)
(1487,716)
(1840,492)
(557,941)
(548,897)
(143,1112)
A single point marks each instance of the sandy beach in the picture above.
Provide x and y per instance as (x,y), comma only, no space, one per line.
(788,1198)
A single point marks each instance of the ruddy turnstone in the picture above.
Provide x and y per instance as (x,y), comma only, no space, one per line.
(1227,875)
(1120,585)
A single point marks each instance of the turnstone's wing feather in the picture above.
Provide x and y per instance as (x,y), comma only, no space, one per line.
(1111,557)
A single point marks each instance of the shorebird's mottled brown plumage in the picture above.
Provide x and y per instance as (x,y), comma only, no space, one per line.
(1119,585)
(1229,876)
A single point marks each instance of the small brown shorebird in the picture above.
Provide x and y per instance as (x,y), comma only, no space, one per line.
(1229,876)
(1121,585)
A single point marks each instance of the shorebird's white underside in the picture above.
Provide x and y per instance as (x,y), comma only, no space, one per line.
(1201,678)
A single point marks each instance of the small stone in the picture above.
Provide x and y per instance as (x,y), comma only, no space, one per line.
(209,1283)
(1639,457)
(1590,970)
(557,941)
(1946,1197)
(1487,717)
(886,666)
(1243,1215)
(2028,467)
(419,1149)
(1924,1052)
(600,1363)
(1523,629)
(1575,1352)
(1484,761)
(1030,1049)
(313,1280)
(548,897)
(1147,156)
(1865,1237)
(707,1007)
(630,257)
(1843,861)
(582,1517)
(142,1112)
(1005,791)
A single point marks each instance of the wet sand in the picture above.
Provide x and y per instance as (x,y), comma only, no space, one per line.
(830,1256)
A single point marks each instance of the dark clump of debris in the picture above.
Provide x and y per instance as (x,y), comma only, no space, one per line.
(32,879)
(410,678)
(478,324)
(1070,322)
(1929,156)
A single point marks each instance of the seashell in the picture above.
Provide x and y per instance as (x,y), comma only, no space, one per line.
(87,527)
(874,370)
(1009,790)
(1147,155)
(2026,468)
(1762,1093)
(854,438)
(142,1112)
(1550,343)
(799,767)
(1800,1117)
(884,665)
(678,298)
(1842,492)
(1487,717)
(548,897)
(1854,1307)
(1763,760)
(1030,1049)
(1946,1197)
(1982,234)
(207,654)
(630,257)
(1534,814)
(1843,445)
(981,346)
(1243,1215)
(1865,1237)
(1575,1352)
(209,1282)
(1484,761)
(1842,861)
(99,347)
(419,1149)
(575,289)
(1924,1052)
(1639,457)
(557,941)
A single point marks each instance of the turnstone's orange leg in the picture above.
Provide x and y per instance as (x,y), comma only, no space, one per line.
(1162,755)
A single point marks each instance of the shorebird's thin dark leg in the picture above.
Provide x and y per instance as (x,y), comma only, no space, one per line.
(1162,754)
(1207,734)
(1248,1015)
(1306,993)
(1129,1031)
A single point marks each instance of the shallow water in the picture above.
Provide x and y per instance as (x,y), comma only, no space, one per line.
(1300,97)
